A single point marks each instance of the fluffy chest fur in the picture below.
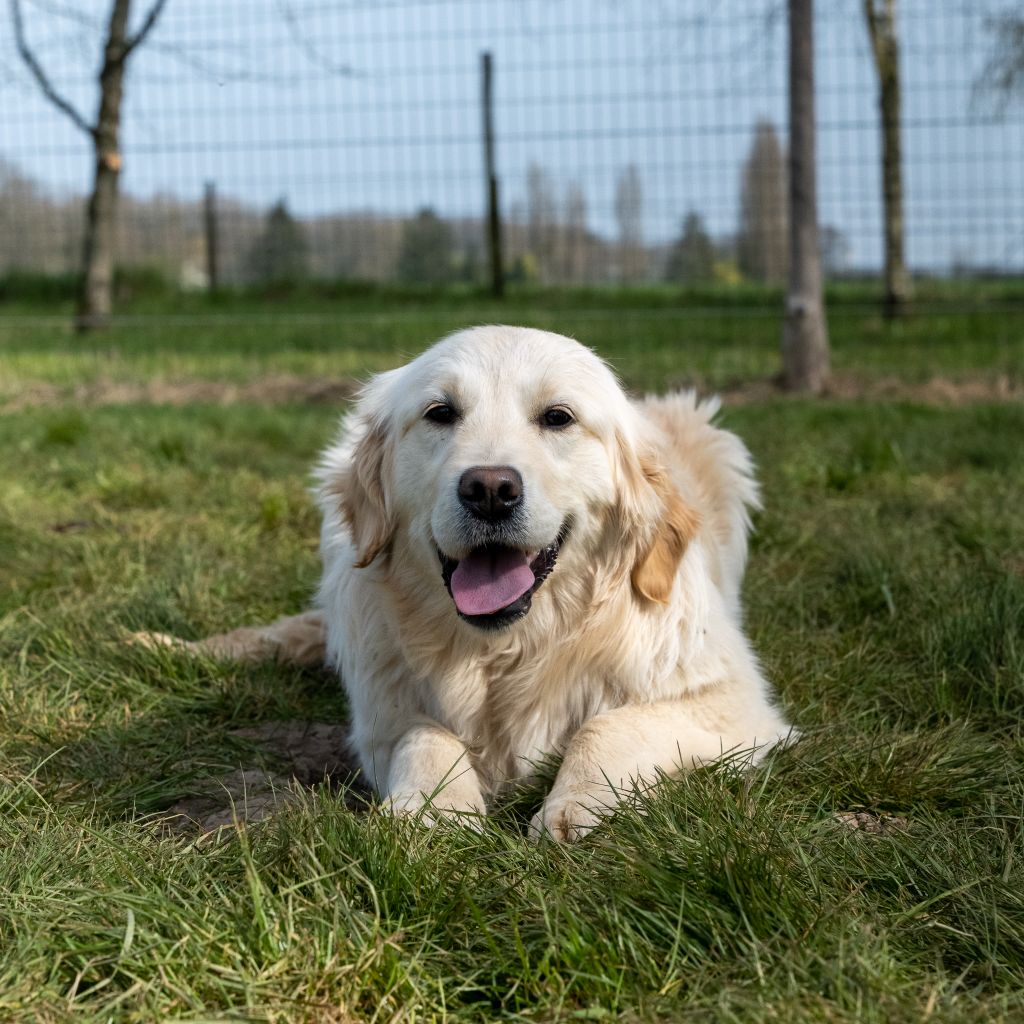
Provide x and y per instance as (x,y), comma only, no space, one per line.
(516,697)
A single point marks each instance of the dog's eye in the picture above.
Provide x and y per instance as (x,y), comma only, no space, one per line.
(556,417)
(441,413)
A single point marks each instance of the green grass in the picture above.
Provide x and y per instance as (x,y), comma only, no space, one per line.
(655,337)
(885,595)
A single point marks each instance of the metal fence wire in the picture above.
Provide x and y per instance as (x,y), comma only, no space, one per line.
(635,141)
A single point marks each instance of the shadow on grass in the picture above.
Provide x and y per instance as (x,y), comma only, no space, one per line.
(188,743)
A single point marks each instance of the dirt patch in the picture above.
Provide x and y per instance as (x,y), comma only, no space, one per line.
(873,824)
(273,390)
(306,753)
(852,387)
(287,388)
(312,751)
(246,795)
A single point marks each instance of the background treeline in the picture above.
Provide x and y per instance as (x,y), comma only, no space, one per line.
(547,236)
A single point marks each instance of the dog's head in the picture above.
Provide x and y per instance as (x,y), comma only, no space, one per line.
(503,456)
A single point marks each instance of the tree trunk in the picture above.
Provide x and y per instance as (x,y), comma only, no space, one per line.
(881,22)
(99,249)
(210,228)
(805,355)
(491,179)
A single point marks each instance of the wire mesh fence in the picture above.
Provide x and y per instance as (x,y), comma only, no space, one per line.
(637,143)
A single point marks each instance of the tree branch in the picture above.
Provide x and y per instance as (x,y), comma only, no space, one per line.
(312,52)
(220,74)
(871,18)
(144,29)
(1003,74)
(881,24)
(41,77)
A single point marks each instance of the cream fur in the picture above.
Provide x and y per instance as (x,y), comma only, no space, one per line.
(632,661)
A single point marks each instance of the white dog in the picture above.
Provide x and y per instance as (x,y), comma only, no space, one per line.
(519,562)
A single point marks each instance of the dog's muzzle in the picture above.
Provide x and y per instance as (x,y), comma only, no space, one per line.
(493,586)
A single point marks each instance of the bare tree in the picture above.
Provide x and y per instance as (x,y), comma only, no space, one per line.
(100,238)
(880,16)
(541,219)
(629,213)
(1003,74)
(805,356)
(30,224)
(834,247)
(761,247)
(573,261)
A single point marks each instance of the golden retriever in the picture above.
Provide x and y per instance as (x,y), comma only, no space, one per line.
(520,562)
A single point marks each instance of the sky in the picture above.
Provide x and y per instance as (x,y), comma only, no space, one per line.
(339,105)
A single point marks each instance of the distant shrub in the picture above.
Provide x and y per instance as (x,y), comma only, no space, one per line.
(33,286)
(141,282)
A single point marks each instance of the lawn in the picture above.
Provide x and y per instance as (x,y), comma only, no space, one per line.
(885,596)
(656,337)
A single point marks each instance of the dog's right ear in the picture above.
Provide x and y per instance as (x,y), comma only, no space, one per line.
(677,525)
(365,494)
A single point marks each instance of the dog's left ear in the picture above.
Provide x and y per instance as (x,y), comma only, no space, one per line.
(365,501)
(663,525)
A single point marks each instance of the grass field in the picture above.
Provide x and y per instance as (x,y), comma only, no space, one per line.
(656,338)
(885,595)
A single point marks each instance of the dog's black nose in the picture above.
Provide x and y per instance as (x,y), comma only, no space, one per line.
(491,492)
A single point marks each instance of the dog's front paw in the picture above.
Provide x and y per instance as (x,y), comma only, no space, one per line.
(467,809)
(566,818)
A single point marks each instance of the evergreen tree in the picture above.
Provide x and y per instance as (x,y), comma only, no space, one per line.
(427,252)
(629,215)
(280,253)
(692,258)
(541,221)
(761,247)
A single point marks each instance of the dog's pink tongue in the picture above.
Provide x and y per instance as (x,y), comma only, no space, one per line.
(490,579)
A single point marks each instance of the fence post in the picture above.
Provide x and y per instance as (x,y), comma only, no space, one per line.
(210,224)
(805,358)
(493,213)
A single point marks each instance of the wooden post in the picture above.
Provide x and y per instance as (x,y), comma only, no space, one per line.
(805,356)
(210,223)
(491,176)
(885,45)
